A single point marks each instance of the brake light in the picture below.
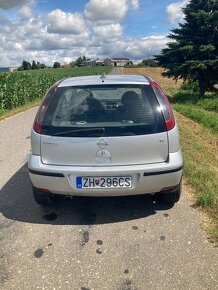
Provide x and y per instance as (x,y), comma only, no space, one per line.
(165,106)
(37,125)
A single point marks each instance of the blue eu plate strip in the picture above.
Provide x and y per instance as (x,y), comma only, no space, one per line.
(79,182)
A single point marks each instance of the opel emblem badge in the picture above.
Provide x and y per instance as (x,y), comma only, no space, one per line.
(102,143)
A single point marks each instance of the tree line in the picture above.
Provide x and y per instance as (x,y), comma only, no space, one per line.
(37,65)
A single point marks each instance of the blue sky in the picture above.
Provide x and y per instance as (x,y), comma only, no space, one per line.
(48,30)
(150,18)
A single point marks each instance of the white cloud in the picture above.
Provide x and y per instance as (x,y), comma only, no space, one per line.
(25,12)
(7,4)
(108,32)
(28,39)
(134,4)
(65,23)
(106,10)
(174,11)
(48,42)
(62,36)
(136,48)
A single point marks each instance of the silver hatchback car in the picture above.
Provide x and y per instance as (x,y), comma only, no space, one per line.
(103,135)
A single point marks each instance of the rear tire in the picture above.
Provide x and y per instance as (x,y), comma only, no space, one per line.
(42,198)
(173,196)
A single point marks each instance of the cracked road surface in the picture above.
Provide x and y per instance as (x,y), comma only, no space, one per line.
(94,243)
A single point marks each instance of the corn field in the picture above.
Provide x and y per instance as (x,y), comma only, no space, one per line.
(20,88)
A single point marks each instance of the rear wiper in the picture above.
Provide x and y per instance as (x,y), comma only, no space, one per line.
(88,130)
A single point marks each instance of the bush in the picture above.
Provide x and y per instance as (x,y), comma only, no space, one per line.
(187,97)
(190,86)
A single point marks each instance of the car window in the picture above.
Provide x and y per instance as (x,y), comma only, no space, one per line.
(129,109)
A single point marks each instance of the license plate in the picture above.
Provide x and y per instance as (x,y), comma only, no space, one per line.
(104,182)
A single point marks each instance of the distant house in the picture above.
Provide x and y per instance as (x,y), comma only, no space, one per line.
(95,62)
(107,62)
(99,62)
(13,68)
(88,63)
(122,61)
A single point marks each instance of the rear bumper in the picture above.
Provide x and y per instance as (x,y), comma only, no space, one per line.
(147,178)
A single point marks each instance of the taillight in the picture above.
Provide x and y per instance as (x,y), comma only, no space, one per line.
(37,125)
(165,106)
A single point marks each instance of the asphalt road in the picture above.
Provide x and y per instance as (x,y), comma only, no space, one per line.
(94,243)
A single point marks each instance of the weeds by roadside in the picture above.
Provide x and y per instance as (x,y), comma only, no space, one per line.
(206,118)
(203,111)
(200,149)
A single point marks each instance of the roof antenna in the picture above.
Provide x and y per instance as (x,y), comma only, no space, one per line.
(103,77)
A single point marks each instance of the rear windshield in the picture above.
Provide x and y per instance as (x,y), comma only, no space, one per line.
(103,110)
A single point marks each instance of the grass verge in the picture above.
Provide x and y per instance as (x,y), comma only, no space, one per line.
(210,103)
(200,149)
(206,118)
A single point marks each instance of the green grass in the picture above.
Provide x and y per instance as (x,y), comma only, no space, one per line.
(213,232)
(203,111)
(3,112)
(201,172)
(67,72)
(199,141)
(194,112)
(210,103)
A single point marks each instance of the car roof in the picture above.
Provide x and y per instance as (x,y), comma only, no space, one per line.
(107,80)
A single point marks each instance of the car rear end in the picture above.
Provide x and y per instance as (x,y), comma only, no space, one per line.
(108,136)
